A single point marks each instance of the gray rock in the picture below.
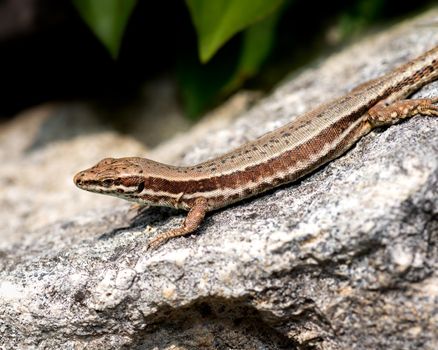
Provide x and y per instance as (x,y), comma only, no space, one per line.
(344,259)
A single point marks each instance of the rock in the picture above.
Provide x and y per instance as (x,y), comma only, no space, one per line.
(344,259)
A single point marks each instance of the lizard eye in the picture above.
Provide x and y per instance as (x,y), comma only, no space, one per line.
(140,187)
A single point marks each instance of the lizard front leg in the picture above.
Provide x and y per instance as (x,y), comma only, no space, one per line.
(382,114)
(191,223)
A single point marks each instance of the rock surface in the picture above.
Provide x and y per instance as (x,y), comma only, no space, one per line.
(344,259)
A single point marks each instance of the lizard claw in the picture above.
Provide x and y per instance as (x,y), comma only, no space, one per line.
(154,243)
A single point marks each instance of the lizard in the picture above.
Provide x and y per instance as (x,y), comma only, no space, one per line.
(276,158)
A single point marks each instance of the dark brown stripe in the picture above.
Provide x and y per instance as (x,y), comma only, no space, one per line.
(221,201)
(255,173)
(289,158)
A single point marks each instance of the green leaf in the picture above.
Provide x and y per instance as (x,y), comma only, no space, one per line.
(257,44)
(107,19)
(216,21)
(200,84)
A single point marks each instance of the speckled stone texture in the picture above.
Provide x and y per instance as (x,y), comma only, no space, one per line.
(344,259)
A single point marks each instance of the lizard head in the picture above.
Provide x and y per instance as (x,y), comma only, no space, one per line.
(120,177)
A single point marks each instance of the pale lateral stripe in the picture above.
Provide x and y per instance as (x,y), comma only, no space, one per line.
(230,191)
(295,140)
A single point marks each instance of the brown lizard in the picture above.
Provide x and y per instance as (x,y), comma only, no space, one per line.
(278,157)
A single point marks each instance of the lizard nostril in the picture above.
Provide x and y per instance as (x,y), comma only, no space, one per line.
(77,179)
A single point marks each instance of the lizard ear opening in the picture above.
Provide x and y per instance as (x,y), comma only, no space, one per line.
(140,187)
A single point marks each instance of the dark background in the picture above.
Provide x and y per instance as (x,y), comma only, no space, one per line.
(48,53)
